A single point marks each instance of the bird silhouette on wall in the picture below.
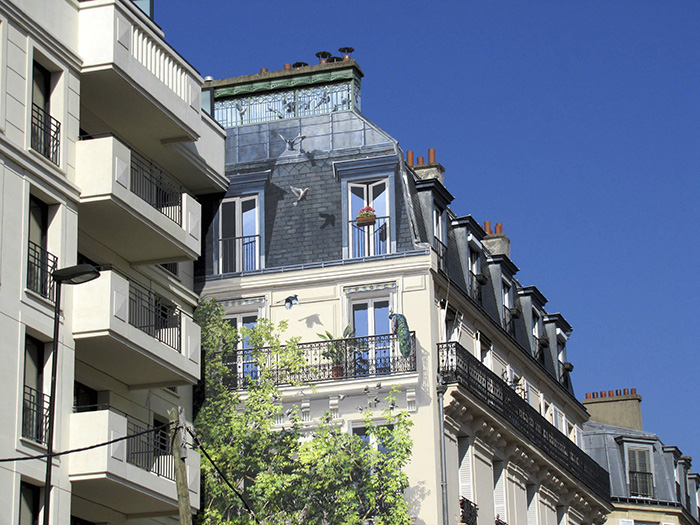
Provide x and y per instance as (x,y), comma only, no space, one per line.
(275,111)
(300,194)
(328,219)
(399,326)
(292,142)
(291,301)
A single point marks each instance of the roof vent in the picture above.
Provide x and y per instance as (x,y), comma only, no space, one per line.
(299,64)
(346,51)
(208,78)
(323,56)
(335,59)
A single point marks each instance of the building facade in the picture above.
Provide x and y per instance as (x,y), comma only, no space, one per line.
(650,483)
(103,147)
(327,224)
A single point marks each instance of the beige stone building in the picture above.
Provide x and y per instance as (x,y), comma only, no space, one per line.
(650,483)
(103,146)
(287,242)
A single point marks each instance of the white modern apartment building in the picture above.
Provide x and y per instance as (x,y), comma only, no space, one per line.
(104,145)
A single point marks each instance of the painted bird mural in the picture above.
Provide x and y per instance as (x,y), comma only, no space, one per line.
(399,326)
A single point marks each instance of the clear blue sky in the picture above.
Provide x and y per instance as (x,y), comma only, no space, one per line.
(575,124)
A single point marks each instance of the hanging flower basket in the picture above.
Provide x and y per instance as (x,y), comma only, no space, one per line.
(366,217)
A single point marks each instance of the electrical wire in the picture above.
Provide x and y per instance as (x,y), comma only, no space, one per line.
(82,449)
(200,446)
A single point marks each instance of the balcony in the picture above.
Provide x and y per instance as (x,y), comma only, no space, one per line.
(134,476)
(459,366)
(369,240)
(46,135)
(133,206)
(355,357)
(468,512)
(35,415)
(131,76)
(239,254)
(133,334)
(40,267)
(642,485)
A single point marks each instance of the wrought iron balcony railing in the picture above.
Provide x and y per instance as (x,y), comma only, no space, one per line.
(154,315)
(46,134)
(642,485)
(156,187)
(499,521)
(441,251)
(40,267)
(35,415)
(355,357)
(151,451)
(457,365)
(370,240)
(468,511)
(474,287)
(239,254)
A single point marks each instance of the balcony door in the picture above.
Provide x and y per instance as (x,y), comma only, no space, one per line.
(372,239)
(370,320)
(239,239)
(245,367)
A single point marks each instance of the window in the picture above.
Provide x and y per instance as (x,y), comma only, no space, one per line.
(40,263)
(46,130)
(370,321)
(84,398)
(35,402)
(370,239)
(485,349)
(371,439)
(538,337)
(239,235)
(641,479)
(507,302)
(244,367)
(440,236)
(475,277)
(29,504)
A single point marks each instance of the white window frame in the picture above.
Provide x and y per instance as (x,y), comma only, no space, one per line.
(380,227)
(238,251)
(243,364)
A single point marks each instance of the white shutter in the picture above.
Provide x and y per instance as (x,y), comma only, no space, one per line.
(465,468)
(499,490)
(532,505)
(625,522)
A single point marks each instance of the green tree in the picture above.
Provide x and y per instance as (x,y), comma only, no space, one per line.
(294,472)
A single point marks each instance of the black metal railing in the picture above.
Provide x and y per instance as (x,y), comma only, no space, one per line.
(154,315)
(157,188)
(40,266)
(468,511)
(474,287)
(642,484)
(46,134)
(372,239)
(441,251)
(151,451)
(499,521)
(457,365)
(35,415)
(355,357)
(239,254)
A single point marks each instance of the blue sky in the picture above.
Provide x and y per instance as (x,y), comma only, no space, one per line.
(575,124)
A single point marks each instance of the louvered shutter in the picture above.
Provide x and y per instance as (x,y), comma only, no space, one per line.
(499,489)
(465,468)
(532,505)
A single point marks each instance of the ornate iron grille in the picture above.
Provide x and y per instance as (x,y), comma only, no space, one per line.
(467,511)
(46,134)
(291,103)
(240,254)
(441,251)
(40,267)
(372,356)
(642,485)
(370,240)
(35,415)
(474,288)
(154,186)
(457,365)
(154,315)
(151,451)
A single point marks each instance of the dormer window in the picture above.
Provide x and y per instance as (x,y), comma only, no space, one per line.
(440,236)
(640,474)
(239,238)
(369,200)
(507,302)
(475,278)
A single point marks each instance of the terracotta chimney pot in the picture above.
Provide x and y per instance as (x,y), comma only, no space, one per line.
(288,66)
(499,227)
(420,161)
(588,395)
(487,227)
(626,391)
(431,156)
(409,157)
(263,70)
(634,391)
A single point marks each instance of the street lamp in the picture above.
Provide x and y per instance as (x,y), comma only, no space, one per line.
(80,273)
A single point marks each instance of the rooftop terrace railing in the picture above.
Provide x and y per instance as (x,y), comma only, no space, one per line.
(457,365)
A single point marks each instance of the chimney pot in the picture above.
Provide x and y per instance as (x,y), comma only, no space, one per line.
(409,157)
(420,161)
(588,395)
(634,391)
(618,392)
(603,393)
(288,66)
(263,70)
(595,395)
(611,393)
(487,227)
(499,227)
(626,391)
(431,156)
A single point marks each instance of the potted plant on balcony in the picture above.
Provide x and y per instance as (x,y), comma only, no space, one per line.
(366,217)
(335,351)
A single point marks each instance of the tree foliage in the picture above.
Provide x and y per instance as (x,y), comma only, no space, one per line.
(284,470)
